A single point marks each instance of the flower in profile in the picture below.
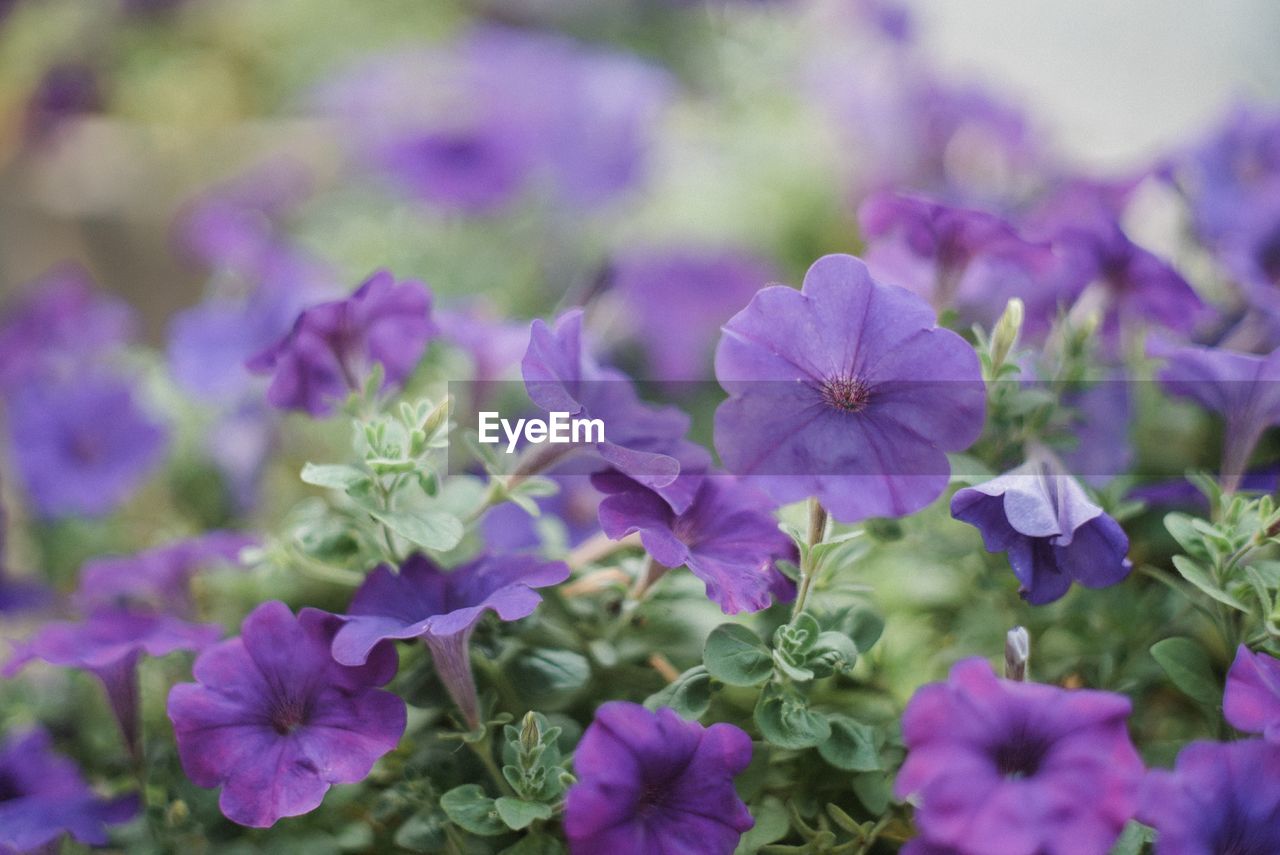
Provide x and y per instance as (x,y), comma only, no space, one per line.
(274,721)
(83,446)
(442,608)
(846,391)
(1252,699)
(1001,767)
(727,537)
(43,797)
(1240,387)
(333,345)
(1053,534)
(108,644)
(1220,797)
(653,782)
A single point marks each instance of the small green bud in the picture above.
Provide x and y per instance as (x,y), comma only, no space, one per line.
(1004,338)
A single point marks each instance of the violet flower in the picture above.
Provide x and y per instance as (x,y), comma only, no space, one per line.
(82,447)
(332,346)
(727,537)
(274,721)
(442,608)
(1054,535)
(108,644)
(43,797)
(1240,387)
(1252,699)
(1219,798)
(653,782)
(1010,768)
(845,391)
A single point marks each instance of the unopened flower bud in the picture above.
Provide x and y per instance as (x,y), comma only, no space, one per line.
(1017,650)
(1005,335)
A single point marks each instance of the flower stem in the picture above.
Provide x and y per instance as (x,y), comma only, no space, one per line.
(808,567)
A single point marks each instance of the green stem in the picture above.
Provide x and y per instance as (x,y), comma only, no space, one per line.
(482,751)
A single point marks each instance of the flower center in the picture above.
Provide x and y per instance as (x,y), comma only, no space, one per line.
(846,393)
(9,789)
(1020,756)
(287,715)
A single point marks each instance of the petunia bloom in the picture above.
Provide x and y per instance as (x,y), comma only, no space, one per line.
(1240,387)
(847,391)
(442,608)
(1010,768)
(333,345)
(1252,699)
(274,721)
(1052,533)
(82,447)
(1219,798)
(727,537)
(108,644)
(43,797)
(653,782)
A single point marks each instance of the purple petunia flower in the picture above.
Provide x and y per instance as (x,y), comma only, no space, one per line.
(108,643)
(1052,533)
(1220,798)
(653,782)
(82,447)
(43,797)
(644,442)
(1240,387)
(156,579)
(332,346)
(274,721)
(846,391)
(1009,768)
(727,537)
(1252,699)
(442,608)
(494,346)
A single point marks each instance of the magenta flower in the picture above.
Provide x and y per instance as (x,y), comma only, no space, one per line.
(43,797)
(1240,387)
(332,346)
(1053,534)
(1219,798)
(82,447)
(442,608)
(653,782)
(274,721)
(1252,699)
(1006,768)
(727,537)
(847,391)
(108,644)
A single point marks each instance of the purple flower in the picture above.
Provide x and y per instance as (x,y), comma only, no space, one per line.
(1252,699)
(82,446)
(66,92)
(727,537)
(1052,533)
(1240,387)
(274,721)
(1008,768)
(442,608)
(676,299)
(43,797)
(156,579)
(494,346)
(653,782)
(1220,798)
(643,442)
(507,527)
(332,346)
(108,644)
(847,391)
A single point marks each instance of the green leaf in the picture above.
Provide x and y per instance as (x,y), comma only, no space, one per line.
(430,530)
(865,628)
(772,824)
(1179,526)
(1132,839)
(785,720)
(1190,570)
(689,695)
(833,652)
(852,745)
(335,476)
(519,814)
(872,789)
(535,844)
(1189,668)
(470,809)
(549,678)
(736,655)
(422,832)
